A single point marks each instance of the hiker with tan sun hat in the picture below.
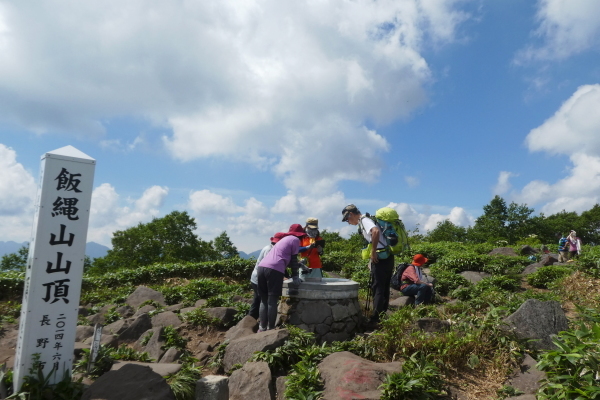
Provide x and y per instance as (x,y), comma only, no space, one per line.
(311,257)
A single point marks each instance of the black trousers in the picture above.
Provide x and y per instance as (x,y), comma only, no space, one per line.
(381,275)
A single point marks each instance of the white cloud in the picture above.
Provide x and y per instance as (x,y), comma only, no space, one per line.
(566,28)
(250,226)
(503,185)
(287,204)
(573,131)
(17,186)
(573,128)
(412,181)
(108,215)
(281,85)
(17,195)
(205,202)
(426,221)
(579,191)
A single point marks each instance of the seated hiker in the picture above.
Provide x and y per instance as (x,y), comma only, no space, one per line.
(313,243)
(271,272)
(413,283)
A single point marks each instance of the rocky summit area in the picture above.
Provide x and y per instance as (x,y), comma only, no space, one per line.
(145,322)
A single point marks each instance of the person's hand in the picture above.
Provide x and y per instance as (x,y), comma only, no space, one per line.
(374,258)
(305,269)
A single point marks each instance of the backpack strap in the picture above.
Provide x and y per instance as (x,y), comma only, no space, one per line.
(382,238)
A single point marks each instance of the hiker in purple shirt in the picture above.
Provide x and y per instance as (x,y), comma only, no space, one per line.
(271,272)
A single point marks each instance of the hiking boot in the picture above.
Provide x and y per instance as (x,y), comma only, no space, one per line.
(372,326)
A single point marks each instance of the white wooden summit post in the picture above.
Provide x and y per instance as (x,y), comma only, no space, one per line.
(55,265)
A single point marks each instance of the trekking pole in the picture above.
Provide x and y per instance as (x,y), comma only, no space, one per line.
(369,293)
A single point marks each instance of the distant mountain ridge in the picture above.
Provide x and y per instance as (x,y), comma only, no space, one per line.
(247,256)
(92,249)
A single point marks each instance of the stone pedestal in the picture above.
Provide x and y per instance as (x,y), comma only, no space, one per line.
(328,308)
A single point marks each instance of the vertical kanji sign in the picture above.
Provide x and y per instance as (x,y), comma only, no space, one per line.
(55,264)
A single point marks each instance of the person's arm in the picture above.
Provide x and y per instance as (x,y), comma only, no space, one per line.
(294,265)
(262,254)
(414,276)
(374,242)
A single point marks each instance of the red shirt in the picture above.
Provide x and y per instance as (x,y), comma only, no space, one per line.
(411,275)
(314,260)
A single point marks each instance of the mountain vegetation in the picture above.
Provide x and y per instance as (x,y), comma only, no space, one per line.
(476,355)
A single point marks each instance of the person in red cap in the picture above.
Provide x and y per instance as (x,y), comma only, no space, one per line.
(255,306)
(413,283)
(271,271)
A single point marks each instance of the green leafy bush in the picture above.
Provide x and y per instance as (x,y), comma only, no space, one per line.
(183,383)
(284,357)
(199,317)
(470,334)
(573,369)
(197,289)
(447,281)
(337,260)
(36,386)
(11,285)
(589,261)
(304,382)
(173,339)
(111,315)
(420,379)
(471,261)
(126,353)
(544,276)
(103,363)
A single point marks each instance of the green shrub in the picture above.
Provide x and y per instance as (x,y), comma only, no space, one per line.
(198,289)
(502,282)
(199,317)
(284,357)
(572,369)
(477,335)
(183,383)
(147,338)
(420,379)
(338,260)
(36,386)
(472,261)
(304,382)
(589,261)
(111,315)
(11,285)
(125,353)
(447,281)
(103,363)
(173,339)
(544,276)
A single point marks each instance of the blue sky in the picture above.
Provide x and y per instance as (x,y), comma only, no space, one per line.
(255,115)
